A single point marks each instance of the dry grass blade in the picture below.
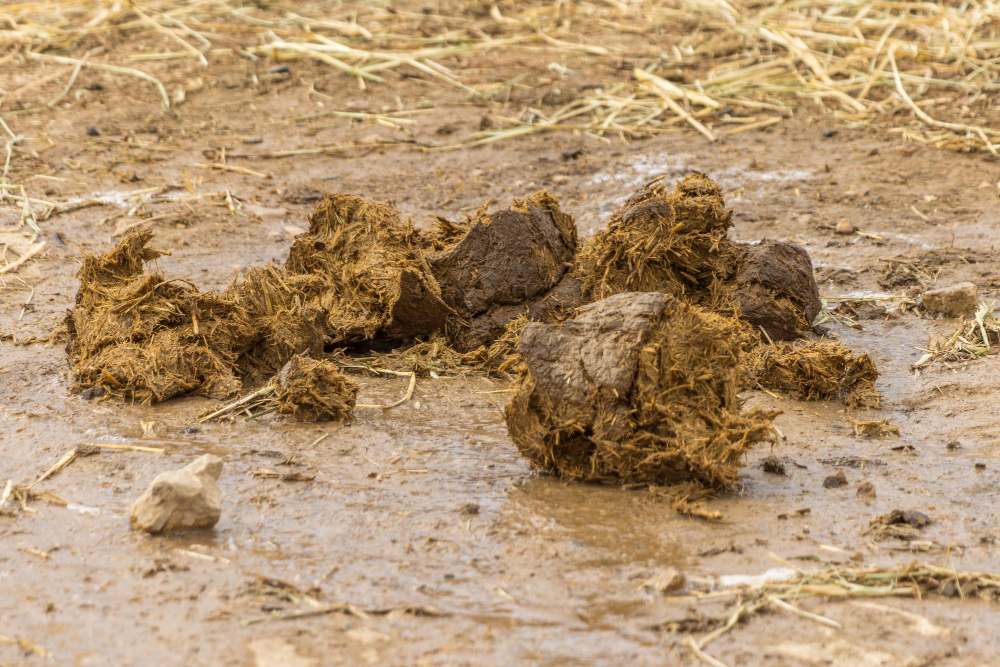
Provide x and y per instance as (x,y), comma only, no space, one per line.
(915,580)
(880,64)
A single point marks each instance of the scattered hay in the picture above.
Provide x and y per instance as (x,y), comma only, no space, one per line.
(314,390)
(434,356)
(639,388)
(146,338)
(915,580)
(816,371)
(375,280)
(971,340)
(880,428)
(437,356)
(659,241)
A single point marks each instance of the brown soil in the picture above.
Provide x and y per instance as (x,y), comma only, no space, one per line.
(428,506)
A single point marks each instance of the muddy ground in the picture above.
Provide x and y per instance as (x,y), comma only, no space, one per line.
(426,512)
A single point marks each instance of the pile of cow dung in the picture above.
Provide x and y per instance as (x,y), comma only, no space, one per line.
(638,388)
(314,390)
(147,338)
(676,243)
(641,386)
(817,370)
(510,263)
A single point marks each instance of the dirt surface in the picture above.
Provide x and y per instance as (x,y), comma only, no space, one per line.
(426,512)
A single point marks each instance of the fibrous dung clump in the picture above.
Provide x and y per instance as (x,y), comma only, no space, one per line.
(817,370)
(509,263)
(676,242)
(314,390)
(147,338)
(673,242)
(637,388)
(375,280)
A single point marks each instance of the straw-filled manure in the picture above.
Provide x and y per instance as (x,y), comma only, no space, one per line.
(147,338)
(638,388)
(314,390)
(376,282)
(676,243)
(817,370)
(661,241)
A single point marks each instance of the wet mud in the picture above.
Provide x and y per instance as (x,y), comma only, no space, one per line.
(426,520)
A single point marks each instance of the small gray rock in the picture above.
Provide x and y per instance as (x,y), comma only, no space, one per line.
(954,300)
(185,499)
(835,481)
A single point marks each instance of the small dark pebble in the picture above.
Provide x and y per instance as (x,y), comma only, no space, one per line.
(953,445)
(92,393)
(470,509)
(278,69)
(980,466)
(93,131)
(866,490)
(253,140)
(271,607)
(909,517)
(829,133)
(773,464)
(192,429)
(834,481)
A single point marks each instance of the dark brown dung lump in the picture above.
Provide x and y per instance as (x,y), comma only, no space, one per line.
(556,305)
(817,370)
(638,388)
(314,390)
(146,338)
(375,279)
(506,264)
(775,289)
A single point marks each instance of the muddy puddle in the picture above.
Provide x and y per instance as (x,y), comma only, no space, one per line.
(423,537)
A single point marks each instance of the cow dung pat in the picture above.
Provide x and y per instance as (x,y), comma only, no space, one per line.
(637,388)
(814,371)
(376,281)
(147,338)
(775,289)
(661,241)
(185,499)
(314,390)
(676,243)
(506,264)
